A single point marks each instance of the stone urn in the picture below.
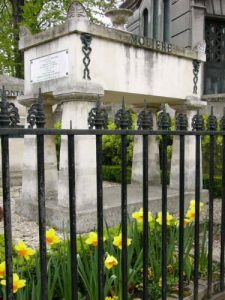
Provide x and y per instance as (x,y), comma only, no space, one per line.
(119,17)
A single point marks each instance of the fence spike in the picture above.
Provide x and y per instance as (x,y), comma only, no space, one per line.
(36,115)
(98,116)
(123,118)
(164,120)
(197,122)
(4,114)
(222,121)
(211,121)
(181,122)
(145,119)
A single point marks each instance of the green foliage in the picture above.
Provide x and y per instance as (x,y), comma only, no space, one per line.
(113,173)
(111,145)
(217,185)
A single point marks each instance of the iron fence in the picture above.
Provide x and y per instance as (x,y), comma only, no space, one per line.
(98,128)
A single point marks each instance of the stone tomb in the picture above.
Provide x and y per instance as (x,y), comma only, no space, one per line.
(75,63)
(14,88)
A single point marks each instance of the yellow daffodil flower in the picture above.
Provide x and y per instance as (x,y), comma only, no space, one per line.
(2,269)
(51,237)
(186,222)
(110,262)
(117,241)
(17,283)
(139,215)
(191,214)
(169,218)
(112,298)
(92,239)
(192,205)
(23,250)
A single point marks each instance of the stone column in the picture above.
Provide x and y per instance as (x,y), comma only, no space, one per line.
(29,177)
(75,111)
(190,108)
(153,157)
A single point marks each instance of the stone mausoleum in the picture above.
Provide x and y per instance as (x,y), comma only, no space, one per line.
(191,24)
(75,63)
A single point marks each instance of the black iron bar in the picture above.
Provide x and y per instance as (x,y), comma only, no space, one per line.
(210,233)
(72,209)
(7,216)
(100,217)
(145,217)
(124,214)
(164,216)
(122,132)
(181,222)
(197,204)
(222,256)
(42,216)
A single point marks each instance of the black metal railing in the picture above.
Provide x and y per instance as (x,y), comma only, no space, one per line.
(97,127)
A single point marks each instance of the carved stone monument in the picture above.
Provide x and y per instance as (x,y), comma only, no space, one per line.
(74,64)
(14,88)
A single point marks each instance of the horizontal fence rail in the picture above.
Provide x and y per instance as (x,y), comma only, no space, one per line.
(97,122)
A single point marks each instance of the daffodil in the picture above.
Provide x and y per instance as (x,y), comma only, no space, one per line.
(2,269)
(92,239)
(139,215)
(117,241)
(169,218)
(51,237)
(110,262)
(17,283)
(191,214)
(112,298)
(192,205)
(186,222)
(23,250)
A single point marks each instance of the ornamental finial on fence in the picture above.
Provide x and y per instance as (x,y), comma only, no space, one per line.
(123,118)
(36,113)
(4,114)
(98,117)
(9,116)
(164,120)
(181,122)
(197,122)
(222,121)
(212,121)
(145,120)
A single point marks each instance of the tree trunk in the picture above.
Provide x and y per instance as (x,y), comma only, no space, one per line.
(17,18)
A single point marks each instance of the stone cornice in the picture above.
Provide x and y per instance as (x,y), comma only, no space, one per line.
(76,26)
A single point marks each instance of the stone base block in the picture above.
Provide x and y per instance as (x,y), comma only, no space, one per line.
(58,216)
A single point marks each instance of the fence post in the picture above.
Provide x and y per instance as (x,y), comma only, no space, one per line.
(4,122)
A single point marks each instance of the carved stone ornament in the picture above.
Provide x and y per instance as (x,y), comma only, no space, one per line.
(24,31)
(76,10)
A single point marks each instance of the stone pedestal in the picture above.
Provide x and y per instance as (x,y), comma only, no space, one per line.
(190,147)
(75,112)
(29,185)
(153,158)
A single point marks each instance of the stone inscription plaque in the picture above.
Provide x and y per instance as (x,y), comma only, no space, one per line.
(52,66)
